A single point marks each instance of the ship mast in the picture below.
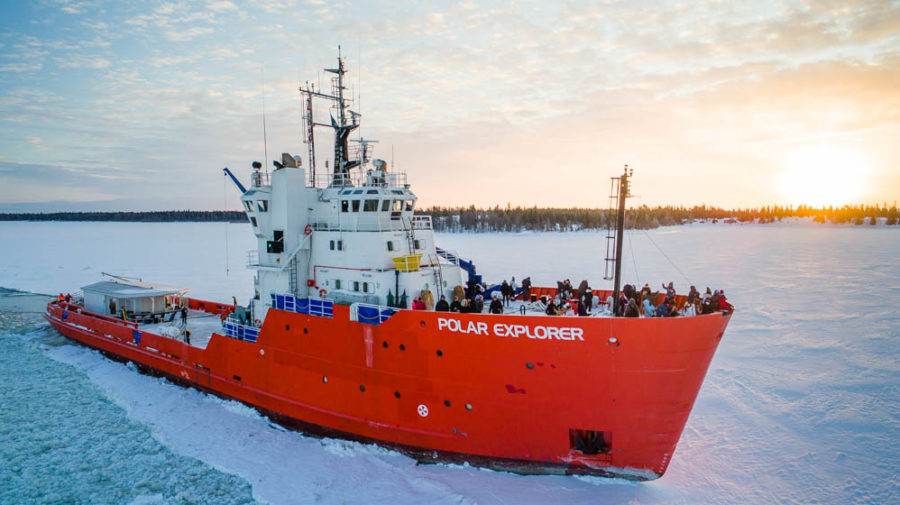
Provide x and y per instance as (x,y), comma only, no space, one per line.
(341,126)
(621,192)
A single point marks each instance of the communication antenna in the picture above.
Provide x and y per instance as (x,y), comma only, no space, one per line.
(262,70)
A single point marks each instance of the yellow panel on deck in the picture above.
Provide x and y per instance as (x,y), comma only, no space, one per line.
(407,263)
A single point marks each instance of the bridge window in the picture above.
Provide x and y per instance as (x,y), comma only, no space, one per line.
(372,192)
(370,206)
(355,285)
(345,205)
(409,205)
(365,287)
(248,205)
(262,205)
(337,284)
(253,221)
(385,205)
(390,245)
(398,205)
(358,192)
(276,245)
(355,205)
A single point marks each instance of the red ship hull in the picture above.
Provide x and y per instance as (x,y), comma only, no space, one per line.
(530,394)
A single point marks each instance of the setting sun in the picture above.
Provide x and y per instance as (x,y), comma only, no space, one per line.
(823,175)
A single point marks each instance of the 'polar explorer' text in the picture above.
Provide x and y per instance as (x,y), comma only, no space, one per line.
(510,330)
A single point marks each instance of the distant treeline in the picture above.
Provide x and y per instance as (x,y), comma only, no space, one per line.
(166,216)
(644,217)
(528,218)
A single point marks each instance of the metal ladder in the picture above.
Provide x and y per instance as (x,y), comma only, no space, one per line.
(292,277)
(610,266)
(438,275)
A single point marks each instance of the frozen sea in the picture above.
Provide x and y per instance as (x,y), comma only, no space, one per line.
(801,404)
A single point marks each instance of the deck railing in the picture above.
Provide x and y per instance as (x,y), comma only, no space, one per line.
(241,331)
(311,306)
(370,314)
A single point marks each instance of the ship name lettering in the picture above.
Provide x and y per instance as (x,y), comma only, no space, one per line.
(455,325)
(538,332)
(511,330)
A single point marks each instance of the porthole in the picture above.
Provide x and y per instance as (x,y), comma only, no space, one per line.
(305,331)
(362,388)
(384,344)
(439,353)
(468,406)
(402,347)
(446,403)
(396,394)
(529,365)
(324,379)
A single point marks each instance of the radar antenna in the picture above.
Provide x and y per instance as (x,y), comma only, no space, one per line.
(341,126)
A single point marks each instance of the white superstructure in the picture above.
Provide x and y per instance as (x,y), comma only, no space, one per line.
(349,236)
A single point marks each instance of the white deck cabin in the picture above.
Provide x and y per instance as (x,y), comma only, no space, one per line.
(139,300)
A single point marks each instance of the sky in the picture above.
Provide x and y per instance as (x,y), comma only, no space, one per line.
(115,105)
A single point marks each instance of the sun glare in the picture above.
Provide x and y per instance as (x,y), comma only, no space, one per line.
(823,175)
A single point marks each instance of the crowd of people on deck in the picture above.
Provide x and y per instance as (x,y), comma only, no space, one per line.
(581,301)
(634,303)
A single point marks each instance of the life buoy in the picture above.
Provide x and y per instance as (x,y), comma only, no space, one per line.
(307,230)
(322,293)
(257,322)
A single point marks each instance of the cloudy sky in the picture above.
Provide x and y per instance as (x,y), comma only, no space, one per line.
(486,103)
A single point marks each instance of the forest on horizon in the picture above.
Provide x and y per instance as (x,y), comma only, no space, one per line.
(528,218)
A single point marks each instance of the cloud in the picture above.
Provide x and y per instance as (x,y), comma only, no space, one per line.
(221,6)
(185,35)
(34,140)
(21,67)
(164,61)
(80,61)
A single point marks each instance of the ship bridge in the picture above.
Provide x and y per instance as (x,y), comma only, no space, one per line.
(347,235)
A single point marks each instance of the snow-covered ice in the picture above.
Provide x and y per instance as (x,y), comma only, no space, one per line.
(801,403)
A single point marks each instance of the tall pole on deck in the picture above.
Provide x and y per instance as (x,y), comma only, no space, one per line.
(620,230)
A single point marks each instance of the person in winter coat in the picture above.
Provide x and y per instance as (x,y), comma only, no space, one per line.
(693,296)
(418,304)
(582,288)
(648,307)
(455,306)
(552,310)
(580,308)
(526,289)
(478,304)
(645,291)
(631,310)
(588,299)
(442,305)
(661,310)
(505,291)
(670,291)
(496,305)
(723,302)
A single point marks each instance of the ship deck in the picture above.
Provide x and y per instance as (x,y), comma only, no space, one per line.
(201,325)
